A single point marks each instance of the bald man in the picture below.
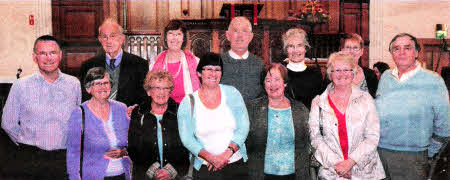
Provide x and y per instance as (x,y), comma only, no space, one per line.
(242,69)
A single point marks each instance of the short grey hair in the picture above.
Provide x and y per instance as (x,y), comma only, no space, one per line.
(295,32)
(110,21)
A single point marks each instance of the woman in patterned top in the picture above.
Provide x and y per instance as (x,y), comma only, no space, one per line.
(278,143)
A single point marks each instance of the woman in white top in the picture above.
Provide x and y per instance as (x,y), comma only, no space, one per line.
(214,131)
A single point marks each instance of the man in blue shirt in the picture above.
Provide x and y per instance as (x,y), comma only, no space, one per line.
(36,116)
(413,107)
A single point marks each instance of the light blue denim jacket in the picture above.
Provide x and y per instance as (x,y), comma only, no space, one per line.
(186,123)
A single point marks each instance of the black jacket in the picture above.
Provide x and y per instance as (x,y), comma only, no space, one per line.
(143,140)
(133,70)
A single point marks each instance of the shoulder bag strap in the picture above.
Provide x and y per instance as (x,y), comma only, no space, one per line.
(320,121)
(82,142)
(191,164)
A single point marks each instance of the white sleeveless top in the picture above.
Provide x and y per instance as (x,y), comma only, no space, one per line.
(215,127)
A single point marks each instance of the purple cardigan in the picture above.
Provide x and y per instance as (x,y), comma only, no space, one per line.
(95,142)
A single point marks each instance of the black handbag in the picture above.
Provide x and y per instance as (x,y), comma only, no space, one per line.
(82,142)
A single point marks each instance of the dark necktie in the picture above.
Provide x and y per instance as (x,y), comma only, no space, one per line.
(111,64)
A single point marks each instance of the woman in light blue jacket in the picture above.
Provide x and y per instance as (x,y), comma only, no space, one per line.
(215,130)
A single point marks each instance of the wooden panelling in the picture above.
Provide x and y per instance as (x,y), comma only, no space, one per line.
(432,55)
(75,24)
(355,19)
(74,57)
(153,15)
(79,24)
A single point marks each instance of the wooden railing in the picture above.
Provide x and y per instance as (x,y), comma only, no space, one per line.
(145,45)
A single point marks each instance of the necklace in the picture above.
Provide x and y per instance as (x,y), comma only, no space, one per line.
(166,66)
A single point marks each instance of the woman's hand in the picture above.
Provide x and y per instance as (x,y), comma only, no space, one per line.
(222,160)
(162,175)
(344,168)
(115,154)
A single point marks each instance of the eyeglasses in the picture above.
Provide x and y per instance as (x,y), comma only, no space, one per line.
(212,69)
(48,54)
(111,36)
(342,71)
(347,48)
(166,89)
(97,84)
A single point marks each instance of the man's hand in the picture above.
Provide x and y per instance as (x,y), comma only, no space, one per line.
(130,110)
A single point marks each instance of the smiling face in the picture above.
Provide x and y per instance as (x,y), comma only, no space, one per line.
(174,39)
(274,84)
(341,73)
(100,88)
(239,34)
(47,56)
(404,53)
(295,49)
(211,76)
(160,91)
(354,48)
(111,39)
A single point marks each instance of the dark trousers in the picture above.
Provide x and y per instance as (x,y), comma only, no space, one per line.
(275,177)
(30,162)
(403,164)
(118,177)
(236,170)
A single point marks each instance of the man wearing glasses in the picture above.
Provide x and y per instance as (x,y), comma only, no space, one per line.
(36,116)
(126,70)
(413,107)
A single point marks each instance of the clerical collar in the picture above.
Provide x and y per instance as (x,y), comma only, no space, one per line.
(297,67)
(235,56)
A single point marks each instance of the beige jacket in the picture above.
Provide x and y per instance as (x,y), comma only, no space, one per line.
(363,131)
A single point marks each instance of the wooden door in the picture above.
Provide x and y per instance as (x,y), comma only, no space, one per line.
(75,24)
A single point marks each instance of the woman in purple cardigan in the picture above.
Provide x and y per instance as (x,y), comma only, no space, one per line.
(105,134)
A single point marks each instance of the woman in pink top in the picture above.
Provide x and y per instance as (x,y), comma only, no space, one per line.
(180,63)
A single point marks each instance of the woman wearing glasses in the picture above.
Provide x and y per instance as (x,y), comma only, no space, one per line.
(214,126)
(179,62)
(344,126)
(105,133)
(153,141)
(365,78)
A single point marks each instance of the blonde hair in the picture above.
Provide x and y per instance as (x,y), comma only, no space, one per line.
(158,74)
(340,56)
(110,21)
(295,32)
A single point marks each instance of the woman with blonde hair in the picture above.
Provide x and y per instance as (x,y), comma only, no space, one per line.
(344,126)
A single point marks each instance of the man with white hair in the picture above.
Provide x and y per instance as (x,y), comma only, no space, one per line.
(126,70)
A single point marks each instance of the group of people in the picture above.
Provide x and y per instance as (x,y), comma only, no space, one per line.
(225,116)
